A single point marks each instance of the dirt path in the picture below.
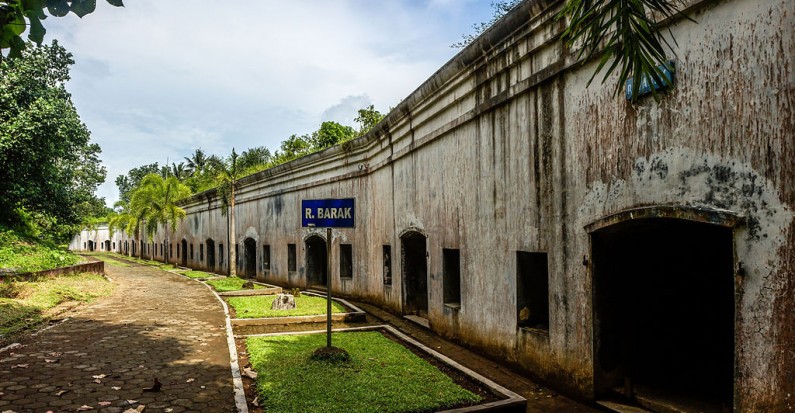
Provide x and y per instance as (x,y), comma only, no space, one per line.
(156,324)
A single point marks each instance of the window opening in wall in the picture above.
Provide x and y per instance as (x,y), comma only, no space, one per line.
(316,262)
(161,250)
(532,290)
(171,250)
(266,259)
(291,257)
(220,254)
(191,251)
(210,254)
(250,257)
(663,298)
(387,264)
(114,245)
(346,261)
(201,252)
(451,276)
(184,253)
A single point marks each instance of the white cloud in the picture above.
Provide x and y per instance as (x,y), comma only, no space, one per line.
(157,79)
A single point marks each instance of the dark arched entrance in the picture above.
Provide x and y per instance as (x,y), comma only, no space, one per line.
(107,245)
(316,261)
(250,257)
(415,274)
(91,245)
(663,297)
(211,255)
(184,253)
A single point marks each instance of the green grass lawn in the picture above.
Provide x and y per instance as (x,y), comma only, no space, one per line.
(259,306)
(23,303)
(230,284)
(383,376)
(197,274)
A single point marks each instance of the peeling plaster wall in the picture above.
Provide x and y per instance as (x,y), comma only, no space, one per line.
(505,149)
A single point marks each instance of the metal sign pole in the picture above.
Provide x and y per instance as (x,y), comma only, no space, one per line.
(328,287)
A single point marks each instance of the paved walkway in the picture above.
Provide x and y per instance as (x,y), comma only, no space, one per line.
(156,324)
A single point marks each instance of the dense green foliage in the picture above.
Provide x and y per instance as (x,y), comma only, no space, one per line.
(259,306)
(18,15)
(26,303)
(26,254)
(49,170)
(382,376)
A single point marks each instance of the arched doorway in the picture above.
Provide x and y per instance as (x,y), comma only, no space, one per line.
(316,261)
(414,260)
(210,255)
(663,297)
(184,253)
(91,245)
(107,245)
(250,257)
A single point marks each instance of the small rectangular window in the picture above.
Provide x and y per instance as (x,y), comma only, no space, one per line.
(201,252)
(220,254)
(266,258)
(161,250)
(451,276)
(387,264)
(191,251)
(346,261)
(532,290)
(171,250)
(291,257)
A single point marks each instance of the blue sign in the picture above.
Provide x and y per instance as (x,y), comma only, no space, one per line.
(648,83)
(328,213)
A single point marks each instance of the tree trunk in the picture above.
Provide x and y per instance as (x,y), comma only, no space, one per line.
(232,237)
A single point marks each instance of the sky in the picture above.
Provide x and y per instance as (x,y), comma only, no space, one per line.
(157,79)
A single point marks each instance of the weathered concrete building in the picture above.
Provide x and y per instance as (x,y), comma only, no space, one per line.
(600,245)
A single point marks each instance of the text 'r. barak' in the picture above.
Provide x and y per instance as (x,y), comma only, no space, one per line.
(326,213)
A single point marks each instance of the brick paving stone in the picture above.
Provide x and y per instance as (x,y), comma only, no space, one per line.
(156,324)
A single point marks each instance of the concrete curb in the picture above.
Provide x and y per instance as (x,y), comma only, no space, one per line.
(511,399)
(237,381)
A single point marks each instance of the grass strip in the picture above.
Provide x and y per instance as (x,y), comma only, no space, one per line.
(259,306)
(383,376)
(230,284)
(197,274)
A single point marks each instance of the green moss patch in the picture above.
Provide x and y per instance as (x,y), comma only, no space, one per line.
(381,376)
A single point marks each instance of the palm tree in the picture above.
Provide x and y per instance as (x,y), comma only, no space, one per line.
(179,171)
(158,197)
(197,163)
(229,172)
(125,219)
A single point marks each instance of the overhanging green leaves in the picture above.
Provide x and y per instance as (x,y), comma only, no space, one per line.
(627,31)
